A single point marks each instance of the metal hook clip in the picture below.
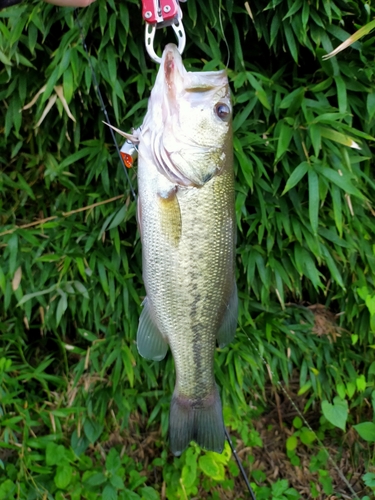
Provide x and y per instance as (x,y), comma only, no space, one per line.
(159,14)
(178,28)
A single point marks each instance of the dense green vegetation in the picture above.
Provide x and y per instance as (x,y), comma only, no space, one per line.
(71,286)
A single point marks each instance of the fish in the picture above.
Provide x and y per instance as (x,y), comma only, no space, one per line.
(187,224)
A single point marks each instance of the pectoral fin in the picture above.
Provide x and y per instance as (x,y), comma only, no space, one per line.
(150,342)
(170,216)
(227,330)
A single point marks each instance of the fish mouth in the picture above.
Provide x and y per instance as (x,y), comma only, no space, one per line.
(169,66)
(174,71)
(177,79)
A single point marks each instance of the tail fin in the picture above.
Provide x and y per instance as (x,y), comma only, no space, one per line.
(201,422)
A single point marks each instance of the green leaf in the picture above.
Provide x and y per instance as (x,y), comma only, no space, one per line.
(13,251)
(149,493)
(342,181)
(353,38)
(68,84)
(286,134)
(297,422)
(55,454)
(371,370)
(361,383)
(335,136)
(291,443)
(30,296)
(296,176)
(279,487)
(350,389)
(259,91)
(292,97)
(336,413)
(117,482)
(291,41)
(366,430)
(63,476)
(7,489)
(341,94)
(92,430)
(131,495)
(313,200)
(369,480)
(189,470)
(4,59)
(262,96)
(316,138)
(307,437)
(81,289)
(96,479)
(119,217)
(337,208)
(211,467)
(335,273)
(109,493)
(370,303)
(370,105)
(113,461)
(61,306)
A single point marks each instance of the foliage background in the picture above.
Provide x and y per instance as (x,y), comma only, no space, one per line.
(71,287)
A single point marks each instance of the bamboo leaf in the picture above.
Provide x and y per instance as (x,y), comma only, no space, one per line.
(286,134)
(370,105)
(337,207)
(296,176)
(30,296)
(291,41)
(61,307)
(313,200)
(119,217)
(335,136)
(335,273)
(59,92)
(341,94)
(353,38)
(342,181)
(316,138)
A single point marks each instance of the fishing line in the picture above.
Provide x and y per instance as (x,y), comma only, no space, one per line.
(103,107)
(223,33)
(237,458)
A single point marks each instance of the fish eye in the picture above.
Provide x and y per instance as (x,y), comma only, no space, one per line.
(222,110)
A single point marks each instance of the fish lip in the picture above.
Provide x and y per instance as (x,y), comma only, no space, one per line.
(174,68)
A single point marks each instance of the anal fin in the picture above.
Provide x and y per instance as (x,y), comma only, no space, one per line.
(150,342)
(227,330)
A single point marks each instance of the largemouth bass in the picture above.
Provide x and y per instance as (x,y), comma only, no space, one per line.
(187,224)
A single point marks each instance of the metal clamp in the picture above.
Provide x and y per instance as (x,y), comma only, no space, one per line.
(159,14)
